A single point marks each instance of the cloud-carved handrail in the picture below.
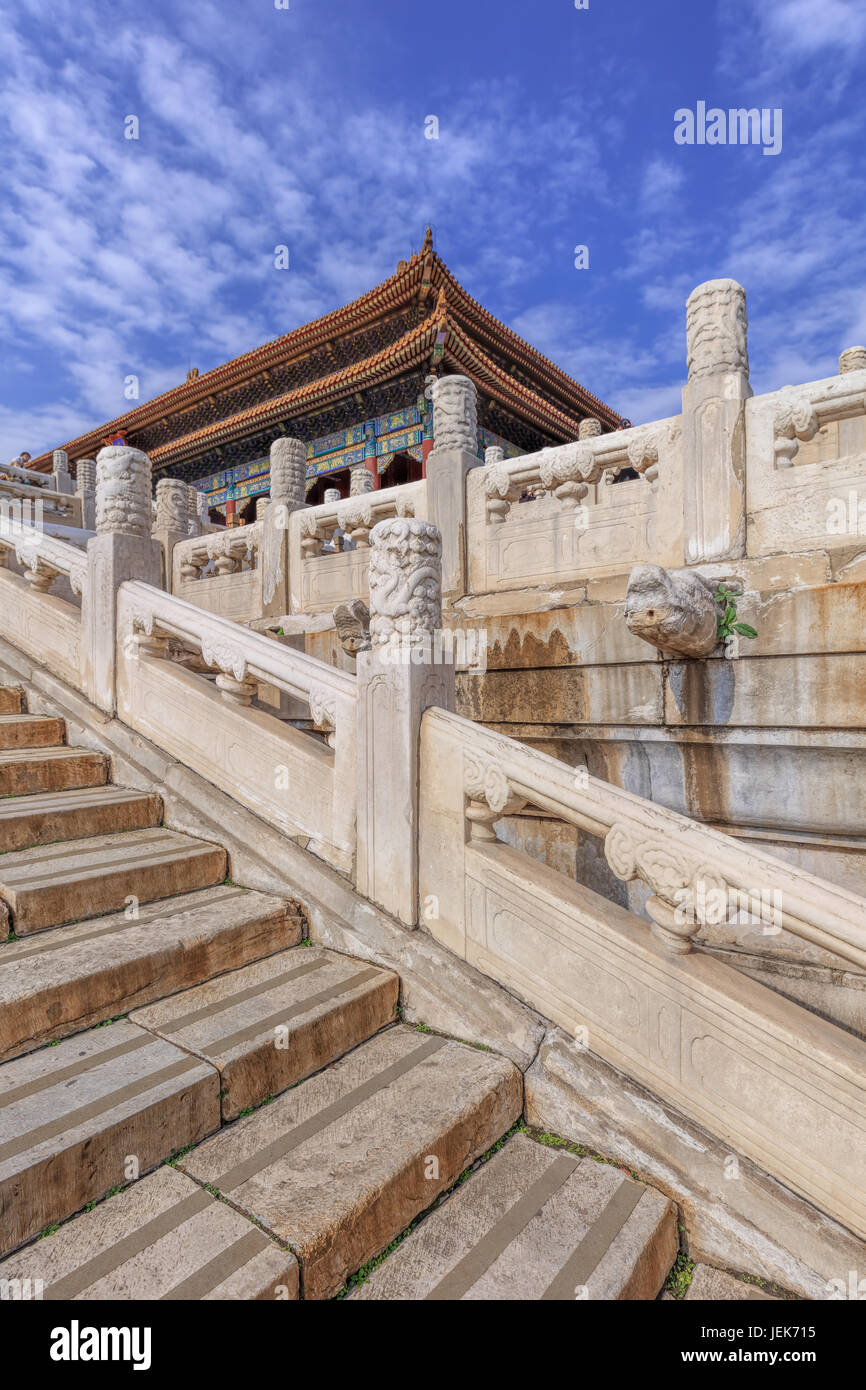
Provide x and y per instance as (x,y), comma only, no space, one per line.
(684,863)
(236,651)
(44,555)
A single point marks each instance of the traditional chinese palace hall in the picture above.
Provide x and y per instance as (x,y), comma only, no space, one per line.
(352,385)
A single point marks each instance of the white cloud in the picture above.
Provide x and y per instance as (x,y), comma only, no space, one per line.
(662,180)
(145,256)
(806,26)
(138,255)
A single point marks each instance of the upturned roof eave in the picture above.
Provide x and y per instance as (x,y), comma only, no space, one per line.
(420,276)
(412,350)
(409,351)
(392,294)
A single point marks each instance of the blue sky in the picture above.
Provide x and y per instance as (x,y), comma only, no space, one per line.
(305,127)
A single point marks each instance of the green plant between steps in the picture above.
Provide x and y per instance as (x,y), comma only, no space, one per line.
(677,1282)
(727,624)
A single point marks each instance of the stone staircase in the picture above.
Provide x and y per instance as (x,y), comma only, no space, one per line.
(305,1127)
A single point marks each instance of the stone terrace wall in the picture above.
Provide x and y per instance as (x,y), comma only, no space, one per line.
(766,738)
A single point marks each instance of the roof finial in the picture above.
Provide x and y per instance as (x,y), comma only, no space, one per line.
(428,241)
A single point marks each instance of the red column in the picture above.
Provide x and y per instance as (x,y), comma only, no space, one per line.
(371,462)
(426,412)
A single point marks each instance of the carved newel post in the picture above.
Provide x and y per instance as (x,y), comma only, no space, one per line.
(361,481)
(714,433)
(122,549)
(288,494)
(172,521)
(85,488)
(454,452)
(853,359)
(193,518)
(398,678)
(62,477)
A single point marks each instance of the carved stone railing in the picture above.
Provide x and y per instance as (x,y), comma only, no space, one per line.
(801,411)
(750,1065)
(568,471)
(28,476)
(806,464)
(48,626)
(221,571)
(560,514)
(303,785)
(43,558)
(221,552)
(689,867)
(24,500)
(329,544)
(59,480)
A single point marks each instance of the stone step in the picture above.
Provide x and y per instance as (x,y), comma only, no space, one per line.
(339,1166)
(46,817)
(54,884)
(535,1224)
(90,1114)
(11,699)
(709,1284)
(31,731)
(62,981)
(273,1023)
(50,770)
(162,1238)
